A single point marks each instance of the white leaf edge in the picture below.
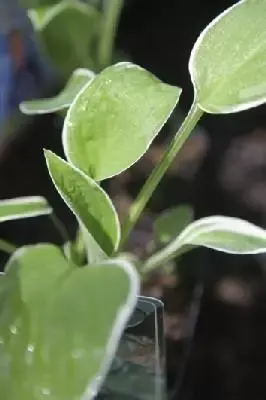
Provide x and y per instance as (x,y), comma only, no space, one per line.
(122,318)
(25,106)
(63,5)
(193,72)
(34,200)
(92,183)
(67,123)
(203,226)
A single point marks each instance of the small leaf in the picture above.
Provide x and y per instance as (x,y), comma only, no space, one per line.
(227,63)
(171,222)
(60,325)
(23,207)
(114,119)
(87,200)
(63,100)
(226,234)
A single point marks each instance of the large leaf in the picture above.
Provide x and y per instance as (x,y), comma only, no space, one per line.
(87,200)
(68,34)
(171,222)
(227,63)
(60,325)
(114,119)
(63,100)
(23,207)
(226,234)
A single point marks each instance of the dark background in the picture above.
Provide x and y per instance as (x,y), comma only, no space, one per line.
(227,360)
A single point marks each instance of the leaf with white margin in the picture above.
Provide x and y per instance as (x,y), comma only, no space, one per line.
(87,200)
(226,234)
(76,82)
(60,325)
(114,119)
(23,207)
(227,63)
(37,12)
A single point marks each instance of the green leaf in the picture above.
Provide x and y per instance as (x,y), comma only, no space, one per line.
(171,222)
(84,250)
(39,12)
(60,325)
(94,252)
(23,207)
(226,234)
(227,63)
(114,119)
(7,247)
(91,205)
(37,3)
(63,100)
(68,34)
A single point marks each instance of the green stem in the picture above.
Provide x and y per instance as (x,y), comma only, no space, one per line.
(154,179)
(110,21)
(162,257)
(7,247)
(60,227)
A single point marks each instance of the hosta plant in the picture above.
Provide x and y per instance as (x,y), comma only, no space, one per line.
(63,310)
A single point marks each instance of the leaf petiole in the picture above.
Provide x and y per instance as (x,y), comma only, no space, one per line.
(154,179)
(7,247)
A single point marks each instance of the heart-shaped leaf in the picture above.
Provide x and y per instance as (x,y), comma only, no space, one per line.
(227,63)
(23,207)
(114,119)
(60,325)
(63,100)
(87,200)
(171,222)
(226,234)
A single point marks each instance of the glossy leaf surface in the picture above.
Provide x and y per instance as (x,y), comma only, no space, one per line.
(23,207)
(87,200)
(60,325)
(227,63)
(226,234)
(114,119)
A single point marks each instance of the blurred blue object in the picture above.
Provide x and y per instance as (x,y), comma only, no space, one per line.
(5,79)
(27,81)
